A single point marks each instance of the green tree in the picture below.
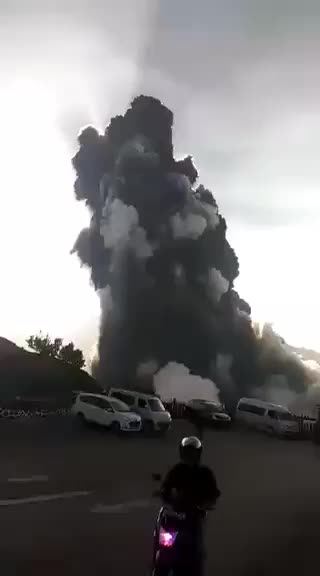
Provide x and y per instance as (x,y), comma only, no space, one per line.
(55,349)
(72,355)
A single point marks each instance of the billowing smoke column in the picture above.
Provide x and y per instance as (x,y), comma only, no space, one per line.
(160,260)
(284,377)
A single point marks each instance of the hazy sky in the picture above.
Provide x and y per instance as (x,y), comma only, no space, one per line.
(244,82)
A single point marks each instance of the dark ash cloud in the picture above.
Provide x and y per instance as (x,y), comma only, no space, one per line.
(161,263)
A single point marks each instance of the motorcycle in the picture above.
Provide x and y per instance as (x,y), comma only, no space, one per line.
(177,545)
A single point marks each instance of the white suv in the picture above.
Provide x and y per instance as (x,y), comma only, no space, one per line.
(108,412)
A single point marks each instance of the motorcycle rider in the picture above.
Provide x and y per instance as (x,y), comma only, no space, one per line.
(189,483)
(191,487)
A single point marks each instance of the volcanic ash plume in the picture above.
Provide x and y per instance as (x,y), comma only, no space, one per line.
(159,256)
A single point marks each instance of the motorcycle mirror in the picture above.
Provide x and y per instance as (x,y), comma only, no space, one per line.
(156,476)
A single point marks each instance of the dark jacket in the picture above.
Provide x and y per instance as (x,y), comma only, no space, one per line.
(196,485)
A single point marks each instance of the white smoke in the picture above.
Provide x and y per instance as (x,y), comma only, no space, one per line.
(174,381)
(107,308)
(147,368)
(224,364)
(93,358)
(313,367)
(106,301)
(105,187)
(277,388)
(188,226)
(179,274)
(119,222)
(207,211)
(277,391)
(181,182)
(308,402)
(243,314)
(217,284)
(274,347)
(211,214)
(137,149)
(140,245)
(120,227)
(197,216)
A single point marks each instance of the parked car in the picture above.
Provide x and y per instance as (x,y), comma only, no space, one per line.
(109,412)
(265,416)
(155,418)
(211,413)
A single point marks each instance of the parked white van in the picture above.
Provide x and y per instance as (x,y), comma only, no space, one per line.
(266,416)
(155,418)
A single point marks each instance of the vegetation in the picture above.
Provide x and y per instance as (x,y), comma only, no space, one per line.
(56,349)
(42,377)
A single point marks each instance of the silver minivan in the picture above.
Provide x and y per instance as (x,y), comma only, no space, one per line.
(155,418)
(267,417)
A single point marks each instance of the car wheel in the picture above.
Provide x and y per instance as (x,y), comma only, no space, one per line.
(115,427)
(81,419)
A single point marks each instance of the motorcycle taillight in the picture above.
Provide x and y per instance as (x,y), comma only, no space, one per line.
(167,539)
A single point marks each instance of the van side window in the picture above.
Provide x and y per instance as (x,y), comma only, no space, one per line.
(117,395)
(142,403)
(259,410)
(95,402)
(242,407)
(273,414)
(126,398)
(88,400)
(105,405)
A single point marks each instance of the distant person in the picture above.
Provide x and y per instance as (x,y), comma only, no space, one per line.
(196,419)
(174,407)
(316,432)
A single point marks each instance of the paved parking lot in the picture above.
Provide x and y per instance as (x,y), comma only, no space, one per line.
(77,501)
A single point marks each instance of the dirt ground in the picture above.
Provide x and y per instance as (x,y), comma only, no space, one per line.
(77,501)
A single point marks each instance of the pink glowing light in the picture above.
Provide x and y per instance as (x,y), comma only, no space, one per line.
(166,538)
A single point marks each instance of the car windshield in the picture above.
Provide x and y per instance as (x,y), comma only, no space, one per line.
(156,405)
(119,406)
(285,416)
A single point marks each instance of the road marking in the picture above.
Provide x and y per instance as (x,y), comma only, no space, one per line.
(121,507)
(43,498)
(39,478)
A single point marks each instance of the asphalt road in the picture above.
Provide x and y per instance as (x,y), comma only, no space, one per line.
(77,501)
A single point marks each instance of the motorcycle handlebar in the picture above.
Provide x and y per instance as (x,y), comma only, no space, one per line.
(202,508)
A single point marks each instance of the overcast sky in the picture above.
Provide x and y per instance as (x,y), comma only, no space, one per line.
(243,80)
